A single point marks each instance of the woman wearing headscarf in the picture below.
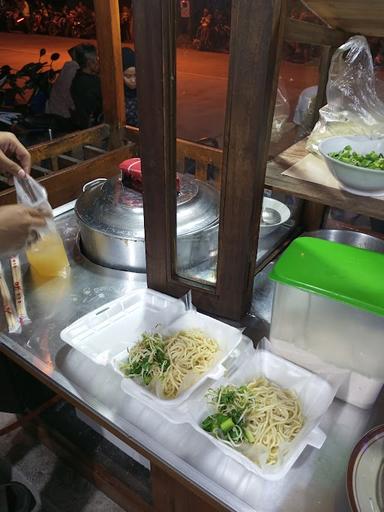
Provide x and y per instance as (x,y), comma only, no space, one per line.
(129,76)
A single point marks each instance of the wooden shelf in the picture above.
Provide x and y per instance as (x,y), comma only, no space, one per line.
(372,207)
(354,16)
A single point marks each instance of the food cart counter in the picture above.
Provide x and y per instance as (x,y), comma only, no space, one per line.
(317,480)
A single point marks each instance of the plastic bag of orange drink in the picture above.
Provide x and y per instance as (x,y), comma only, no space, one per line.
(47,254)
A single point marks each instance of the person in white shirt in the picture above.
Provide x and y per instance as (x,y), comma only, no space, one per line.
(60,101)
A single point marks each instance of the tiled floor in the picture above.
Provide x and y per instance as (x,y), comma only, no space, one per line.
(56,487)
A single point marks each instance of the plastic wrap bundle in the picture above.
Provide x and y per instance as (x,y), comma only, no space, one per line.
(280,116)
(354,107)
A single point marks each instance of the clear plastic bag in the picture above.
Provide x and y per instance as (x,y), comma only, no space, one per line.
(47,255)
(354,107)
(280,116)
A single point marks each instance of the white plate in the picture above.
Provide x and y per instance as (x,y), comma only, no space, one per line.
(314,393)
(103,333)
(365,476)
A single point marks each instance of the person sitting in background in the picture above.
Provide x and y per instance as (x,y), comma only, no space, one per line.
(304,110)
(204,30)
(125,24)
(129,76)
(60,102)
(86,89)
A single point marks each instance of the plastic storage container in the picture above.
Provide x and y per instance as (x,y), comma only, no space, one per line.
(328,313)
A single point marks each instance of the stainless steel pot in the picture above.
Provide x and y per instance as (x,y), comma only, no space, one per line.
(354,238)
(111,221)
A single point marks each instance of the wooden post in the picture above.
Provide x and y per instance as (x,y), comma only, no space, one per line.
(111,69)
(155,55)
(256,41)
(321,97)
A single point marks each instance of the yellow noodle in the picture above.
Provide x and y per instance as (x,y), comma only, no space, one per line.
(275,418)
(188,351)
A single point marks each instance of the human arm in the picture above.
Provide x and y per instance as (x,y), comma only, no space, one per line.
(14,157)
(17,226)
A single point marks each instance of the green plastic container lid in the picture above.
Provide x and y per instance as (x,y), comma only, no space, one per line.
(341,272)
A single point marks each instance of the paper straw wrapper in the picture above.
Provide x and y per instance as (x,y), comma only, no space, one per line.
(13,322)
(18,288)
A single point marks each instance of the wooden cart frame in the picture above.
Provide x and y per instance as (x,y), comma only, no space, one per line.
(259,28)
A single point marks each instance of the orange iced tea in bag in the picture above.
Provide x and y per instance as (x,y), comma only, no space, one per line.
(47,256)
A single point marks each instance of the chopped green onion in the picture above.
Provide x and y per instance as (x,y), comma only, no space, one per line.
(370,160)
(250,437)
(227,425)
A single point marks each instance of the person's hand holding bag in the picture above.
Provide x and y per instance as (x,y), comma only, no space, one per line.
(17,227)
(17,222)
(14,157)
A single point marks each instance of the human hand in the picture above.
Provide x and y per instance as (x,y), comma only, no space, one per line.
(14,158)
(17,227)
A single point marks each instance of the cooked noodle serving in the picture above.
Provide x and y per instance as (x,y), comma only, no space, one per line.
(168,360)
(259,413)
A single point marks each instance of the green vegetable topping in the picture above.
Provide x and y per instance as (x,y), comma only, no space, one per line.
(232,402)
(227,425)
(371,160)
(147,359)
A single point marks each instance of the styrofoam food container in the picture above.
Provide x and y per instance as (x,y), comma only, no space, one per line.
(315,395)
(227,337)
(279,207)
(103,333)
(355,179)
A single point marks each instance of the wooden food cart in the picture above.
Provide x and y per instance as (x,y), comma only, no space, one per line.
(258,32)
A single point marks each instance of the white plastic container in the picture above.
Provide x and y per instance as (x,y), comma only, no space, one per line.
(106,331)
(315,395)
(227,337)
(326,320)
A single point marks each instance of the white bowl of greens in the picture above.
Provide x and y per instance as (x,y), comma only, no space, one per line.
(357,162)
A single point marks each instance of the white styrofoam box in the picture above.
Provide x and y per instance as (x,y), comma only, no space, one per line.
(315,395)
(106,331)
(114,440)
(336,333)
(227,337)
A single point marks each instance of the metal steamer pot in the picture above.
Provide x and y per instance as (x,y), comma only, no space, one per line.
(111,221)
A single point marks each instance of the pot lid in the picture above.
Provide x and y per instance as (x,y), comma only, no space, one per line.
(116,210)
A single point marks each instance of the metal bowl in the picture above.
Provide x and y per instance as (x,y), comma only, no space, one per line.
(283,215)
(354,238)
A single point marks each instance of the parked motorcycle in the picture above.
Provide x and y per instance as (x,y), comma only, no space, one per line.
(57,25)
(26,103)
(40,22)
(39,79)
(9,88)
(36,79)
